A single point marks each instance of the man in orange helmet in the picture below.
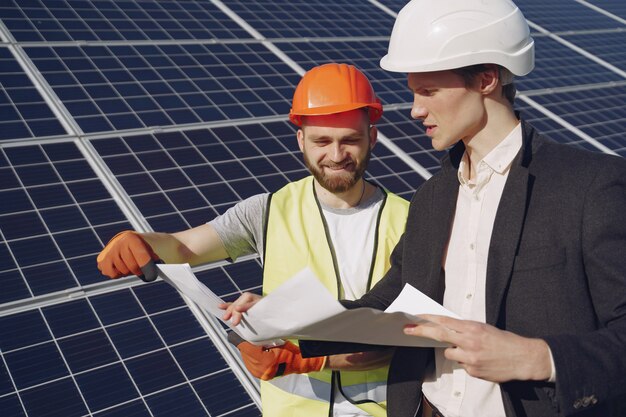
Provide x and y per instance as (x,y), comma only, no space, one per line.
(329,222)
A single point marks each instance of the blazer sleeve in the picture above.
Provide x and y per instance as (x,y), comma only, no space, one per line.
(591,368)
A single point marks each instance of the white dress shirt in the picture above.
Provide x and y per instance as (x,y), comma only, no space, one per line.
(450,388)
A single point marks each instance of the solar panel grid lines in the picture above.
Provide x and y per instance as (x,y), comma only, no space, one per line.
(170,149)
(132,20)
(310,19)
(599,113)
(24,113)
(163,164)
(562,15)
(96,338)
(55,218)
(609,46)
(571,130)
(612,9)
(126,87)
(558,66)
(364,54)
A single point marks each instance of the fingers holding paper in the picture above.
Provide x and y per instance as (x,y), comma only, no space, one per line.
(234,311)
(485,351)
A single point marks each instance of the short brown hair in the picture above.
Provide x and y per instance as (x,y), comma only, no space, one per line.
(469,74)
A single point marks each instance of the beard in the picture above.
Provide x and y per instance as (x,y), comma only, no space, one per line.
(339,182)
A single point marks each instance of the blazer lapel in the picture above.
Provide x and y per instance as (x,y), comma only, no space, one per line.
(507,229)
(443,207)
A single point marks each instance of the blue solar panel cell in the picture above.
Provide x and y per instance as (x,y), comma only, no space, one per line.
(54,399)
(13,285)
(21,330)
(198,358)
(21,225)
(49,277)
(150,378)
(178,401)
(219,402)
(106,387)
(158,297)
(71,317)
(134,338)
(87,350)
(134,409)
(35,365)
(6,384)
(177,326)
(116,307)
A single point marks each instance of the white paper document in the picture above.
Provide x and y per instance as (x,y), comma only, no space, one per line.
(302,308)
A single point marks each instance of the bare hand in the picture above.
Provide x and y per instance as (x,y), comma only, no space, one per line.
(234,311)
(485,351)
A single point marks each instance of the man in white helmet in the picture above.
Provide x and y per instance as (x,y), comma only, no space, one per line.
(522,237)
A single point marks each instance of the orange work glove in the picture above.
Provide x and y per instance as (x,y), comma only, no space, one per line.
(126,254)
(266,364)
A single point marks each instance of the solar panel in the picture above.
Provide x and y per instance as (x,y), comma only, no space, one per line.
(600,113)
(23,112)
(608,46)
(183,179)
(556,65)
(177,111)
(101,20)
(614,7)
(55,216)
(310,18)
(137,350)
(409,136)
(364,54)
(565,15)
(110,88)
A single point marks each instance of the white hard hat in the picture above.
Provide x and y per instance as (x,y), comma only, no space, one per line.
(435,35)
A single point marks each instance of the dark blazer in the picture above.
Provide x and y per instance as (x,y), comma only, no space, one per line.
(556,270)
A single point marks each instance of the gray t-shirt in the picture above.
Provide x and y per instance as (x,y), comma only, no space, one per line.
(241,226)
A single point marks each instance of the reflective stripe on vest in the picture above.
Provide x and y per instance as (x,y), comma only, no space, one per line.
(296,237)
(314,389)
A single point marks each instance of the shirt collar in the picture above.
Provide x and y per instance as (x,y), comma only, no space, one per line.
(498,160)
(500,157)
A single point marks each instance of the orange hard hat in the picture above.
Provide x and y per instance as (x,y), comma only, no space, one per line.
(333,88)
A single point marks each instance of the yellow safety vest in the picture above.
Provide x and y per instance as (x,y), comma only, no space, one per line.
(296,236)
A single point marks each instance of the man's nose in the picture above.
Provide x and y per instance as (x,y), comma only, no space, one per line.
(418,111)
(337,152)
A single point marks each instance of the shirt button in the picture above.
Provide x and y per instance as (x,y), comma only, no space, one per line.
(477,198)
(457,393)
(471,246)
(468,296)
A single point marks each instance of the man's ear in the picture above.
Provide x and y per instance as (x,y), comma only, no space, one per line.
(489,79)
(373,136)
(300,137)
